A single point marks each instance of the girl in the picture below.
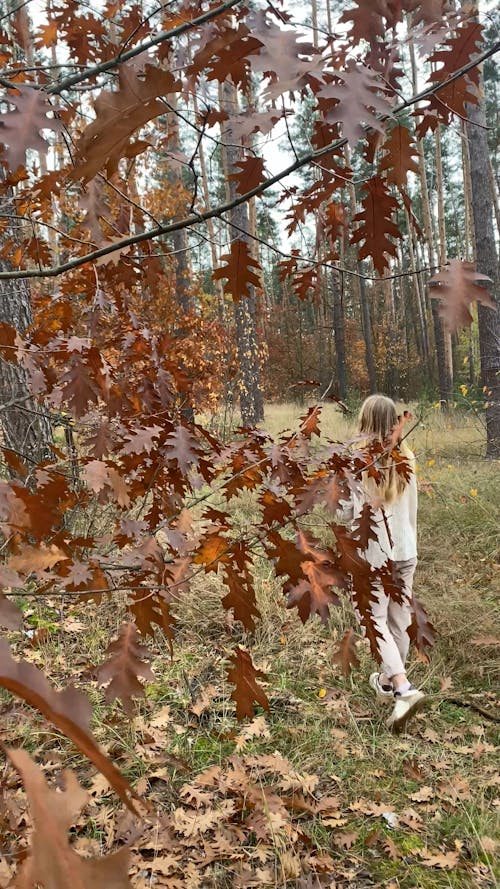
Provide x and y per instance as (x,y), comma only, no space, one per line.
(396,534)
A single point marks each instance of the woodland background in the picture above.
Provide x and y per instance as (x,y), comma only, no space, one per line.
(222,226)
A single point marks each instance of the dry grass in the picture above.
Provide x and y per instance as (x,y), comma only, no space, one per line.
(327,724)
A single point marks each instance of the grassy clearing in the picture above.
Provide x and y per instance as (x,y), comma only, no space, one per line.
(439,782)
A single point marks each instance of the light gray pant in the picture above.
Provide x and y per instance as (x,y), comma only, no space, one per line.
(392,620)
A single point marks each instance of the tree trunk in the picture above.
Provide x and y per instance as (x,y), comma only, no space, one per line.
(366,323)
(487,264)
(367,333)
(437,324)
(26,430)
(418,295)
(245,311)
(339,336)
(447,343)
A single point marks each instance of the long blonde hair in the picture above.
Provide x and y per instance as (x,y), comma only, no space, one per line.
(378,420)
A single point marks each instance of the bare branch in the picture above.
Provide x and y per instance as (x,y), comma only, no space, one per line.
(68,82)
(195,218)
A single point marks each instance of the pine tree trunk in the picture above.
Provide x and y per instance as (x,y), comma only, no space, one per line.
(437,324)
(339,336)
(418,295)
(26,430)
(447,342)
(487,264)
(367,333)
(245,311)
(179,238)
(366,323)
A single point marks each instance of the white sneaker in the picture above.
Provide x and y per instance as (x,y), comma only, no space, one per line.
(407,704)
(380,691)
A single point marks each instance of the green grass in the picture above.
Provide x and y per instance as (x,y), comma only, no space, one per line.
(340,735)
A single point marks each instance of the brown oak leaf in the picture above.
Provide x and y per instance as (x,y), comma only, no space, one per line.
(68,710)
(20,129)
(51,860)
(376,224)
(359,100)
(247,692)
(124,666)
(345,655)
(456,288)
(119,114)
(250,174)
(399,158)
(238,271)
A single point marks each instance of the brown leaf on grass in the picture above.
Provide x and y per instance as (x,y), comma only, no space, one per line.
(445,683)
(51,861)
(257,728)
(124,667)
(441,860)
(247,692)
(412,770)
(346,655)
(456,289)
(238,271)
(203,701)
(390,847)
(486,640)
(68,710)
(346,839)
(423,795)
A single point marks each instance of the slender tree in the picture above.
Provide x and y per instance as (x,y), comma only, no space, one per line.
(486,263)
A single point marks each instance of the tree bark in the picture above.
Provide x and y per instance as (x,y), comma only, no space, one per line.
(487,264)
(366,323)
(439,342)
(245,311)
(447,342)
(367,333)
(26,430)
(339,336)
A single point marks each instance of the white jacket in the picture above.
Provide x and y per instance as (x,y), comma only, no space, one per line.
(401,516)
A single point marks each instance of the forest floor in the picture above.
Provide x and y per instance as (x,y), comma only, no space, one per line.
(342,802)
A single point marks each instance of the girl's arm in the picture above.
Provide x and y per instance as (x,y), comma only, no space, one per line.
(413,500)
